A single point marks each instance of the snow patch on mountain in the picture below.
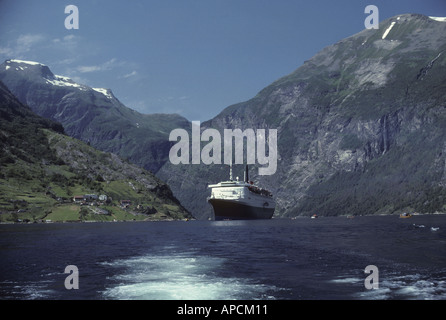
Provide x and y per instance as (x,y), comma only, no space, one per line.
(25,62)
(22,66)
(55,80)
(441,19)
(65,82)
(388,30)
(105,92)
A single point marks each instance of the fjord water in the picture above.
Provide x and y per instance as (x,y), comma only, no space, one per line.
(304,258)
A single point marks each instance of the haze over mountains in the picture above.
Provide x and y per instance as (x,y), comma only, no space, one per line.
(361,125)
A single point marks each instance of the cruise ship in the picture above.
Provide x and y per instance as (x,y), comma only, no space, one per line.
(240,200)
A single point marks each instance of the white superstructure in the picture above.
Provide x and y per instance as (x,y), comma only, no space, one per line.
(240,200)
(242,192)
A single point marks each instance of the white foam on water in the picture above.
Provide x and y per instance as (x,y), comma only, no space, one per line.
(27,290)
(179,276)
(347,280)
(36,291)
(411,286)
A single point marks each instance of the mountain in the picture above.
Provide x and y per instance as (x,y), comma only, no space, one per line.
(93,115)
(360,126)
(42,169)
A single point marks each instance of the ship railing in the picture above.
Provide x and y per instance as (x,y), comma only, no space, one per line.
(223,196)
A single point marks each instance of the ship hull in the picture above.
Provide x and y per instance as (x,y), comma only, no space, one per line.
(236,210)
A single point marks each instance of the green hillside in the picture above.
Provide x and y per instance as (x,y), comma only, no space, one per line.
(42,170)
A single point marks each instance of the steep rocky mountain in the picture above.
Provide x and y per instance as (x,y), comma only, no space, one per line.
(93,115)
(361,127)
(42,169)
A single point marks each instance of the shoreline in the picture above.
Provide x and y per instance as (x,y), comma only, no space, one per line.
(92,221)
(193,219)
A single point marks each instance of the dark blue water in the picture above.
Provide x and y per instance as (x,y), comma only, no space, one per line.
(304,258)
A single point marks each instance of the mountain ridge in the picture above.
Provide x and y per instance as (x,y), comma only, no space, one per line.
(93,115)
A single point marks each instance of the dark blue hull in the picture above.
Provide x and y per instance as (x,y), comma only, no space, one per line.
(234,210)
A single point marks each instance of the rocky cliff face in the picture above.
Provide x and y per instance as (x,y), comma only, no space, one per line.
(361,125)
